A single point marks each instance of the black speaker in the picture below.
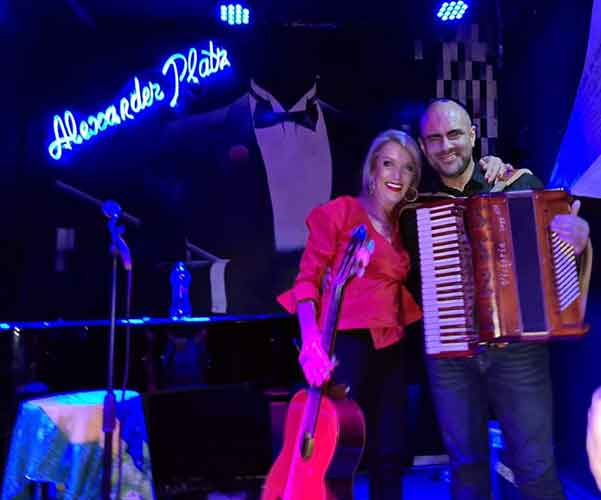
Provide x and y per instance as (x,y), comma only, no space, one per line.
(208,437)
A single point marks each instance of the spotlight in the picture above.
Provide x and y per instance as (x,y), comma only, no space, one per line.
(452,11)
(234,14)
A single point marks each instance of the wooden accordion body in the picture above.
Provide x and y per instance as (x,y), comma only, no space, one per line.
(493,271)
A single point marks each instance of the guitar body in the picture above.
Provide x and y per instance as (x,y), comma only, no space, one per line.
(327,474)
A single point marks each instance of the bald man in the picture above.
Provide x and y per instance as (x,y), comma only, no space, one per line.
(514,378)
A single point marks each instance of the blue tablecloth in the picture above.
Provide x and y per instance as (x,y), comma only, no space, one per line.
(59,440)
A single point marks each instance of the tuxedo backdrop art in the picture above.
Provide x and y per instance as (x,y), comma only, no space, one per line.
(254,171)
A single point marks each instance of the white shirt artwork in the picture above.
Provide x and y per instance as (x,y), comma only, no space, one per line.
(298,164)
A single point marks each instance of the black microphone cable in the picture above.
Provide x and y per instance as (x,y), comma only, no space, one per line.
(125,375)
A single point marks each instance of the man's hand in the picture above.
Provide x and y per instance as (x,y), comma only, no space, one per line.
(571,228)
(593,436)
(495,169)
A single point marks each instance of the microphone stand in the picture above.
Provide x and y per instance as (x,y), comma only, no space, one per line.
(118,250)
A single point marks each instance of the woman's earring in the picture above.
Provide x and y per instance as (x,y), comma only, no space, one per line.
(371,187)
(413,197)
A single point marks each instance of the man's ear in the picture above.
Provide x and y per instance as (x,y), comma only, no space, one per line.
(473,135)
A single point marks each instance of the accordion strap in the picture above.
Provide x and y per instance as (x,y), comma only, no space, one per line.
(584,276)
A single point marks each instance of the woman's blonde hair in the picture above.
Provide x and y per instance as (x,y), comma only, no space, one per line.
(401,138)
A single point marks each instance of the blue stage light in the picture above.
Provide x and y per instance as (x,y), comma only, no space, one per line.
(234,14)
(451,11)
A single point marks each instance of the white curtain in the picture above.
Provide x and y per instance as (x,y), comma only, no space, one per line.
(578,164)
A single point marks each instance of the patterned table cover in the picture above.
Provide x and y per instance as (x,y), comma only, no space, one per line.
(59,440)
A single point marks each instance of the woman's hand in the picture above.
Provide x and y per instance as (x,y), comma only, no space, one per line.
(495,169)
(314,361)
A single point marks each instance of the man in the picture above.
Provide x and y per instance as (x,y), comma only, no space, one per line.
(514,378)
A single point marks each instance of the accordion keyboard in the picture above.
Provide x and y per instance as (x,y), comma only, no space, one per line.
(447,287)
(493,272)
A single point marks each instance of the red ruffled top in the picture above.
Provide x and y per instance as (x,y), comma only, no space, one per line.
(378,300)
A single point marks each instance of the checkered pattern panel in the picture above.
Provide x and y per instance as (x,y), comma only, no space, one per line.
(466,73)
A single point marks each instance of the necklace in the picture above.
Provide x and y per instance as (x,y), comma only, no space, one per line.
(381,224)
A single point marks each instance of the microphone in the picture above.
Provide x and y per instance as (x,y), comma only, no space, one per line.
(111,209)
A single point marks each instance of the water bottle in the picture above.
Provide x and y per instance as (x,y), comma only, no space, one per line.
(180,291)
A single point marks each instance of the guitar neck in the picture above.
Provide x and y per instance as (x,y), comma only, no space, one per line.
(329,329)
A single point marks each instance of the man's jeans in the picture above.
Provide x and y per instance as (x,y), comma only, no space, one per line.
(515,380)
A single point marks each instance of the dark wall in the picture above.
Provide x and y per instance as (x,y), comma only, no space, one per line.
(544,50)
(10,136)
(11,127)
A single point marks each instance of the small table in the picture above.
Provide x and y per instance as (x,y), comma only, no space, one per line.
(59,440)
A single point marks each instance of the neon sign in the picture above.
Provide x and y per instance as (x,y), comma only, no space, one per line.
(212,62)
(69,131)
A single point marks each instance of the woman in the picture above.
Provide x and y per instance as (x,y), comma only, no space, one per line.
(375,308)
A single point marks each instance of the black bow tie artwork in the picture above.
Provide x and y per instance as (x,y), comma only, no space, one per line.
(265,116)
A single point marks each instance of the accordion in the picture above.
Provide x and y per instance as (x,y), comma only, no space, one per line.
(493,271)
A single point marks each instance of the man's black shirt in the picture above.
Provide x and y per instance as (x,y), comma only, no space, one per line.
(477,184)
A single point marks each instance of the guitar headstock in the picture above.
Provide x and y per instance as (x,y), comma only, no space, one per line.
(356,258)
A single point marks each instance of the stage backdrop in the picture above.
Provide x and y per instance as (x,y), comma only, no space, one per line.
(183,124)
(188,133)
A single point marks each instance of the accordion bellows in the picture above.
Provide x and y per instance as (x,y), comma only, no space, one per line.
(493,271)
